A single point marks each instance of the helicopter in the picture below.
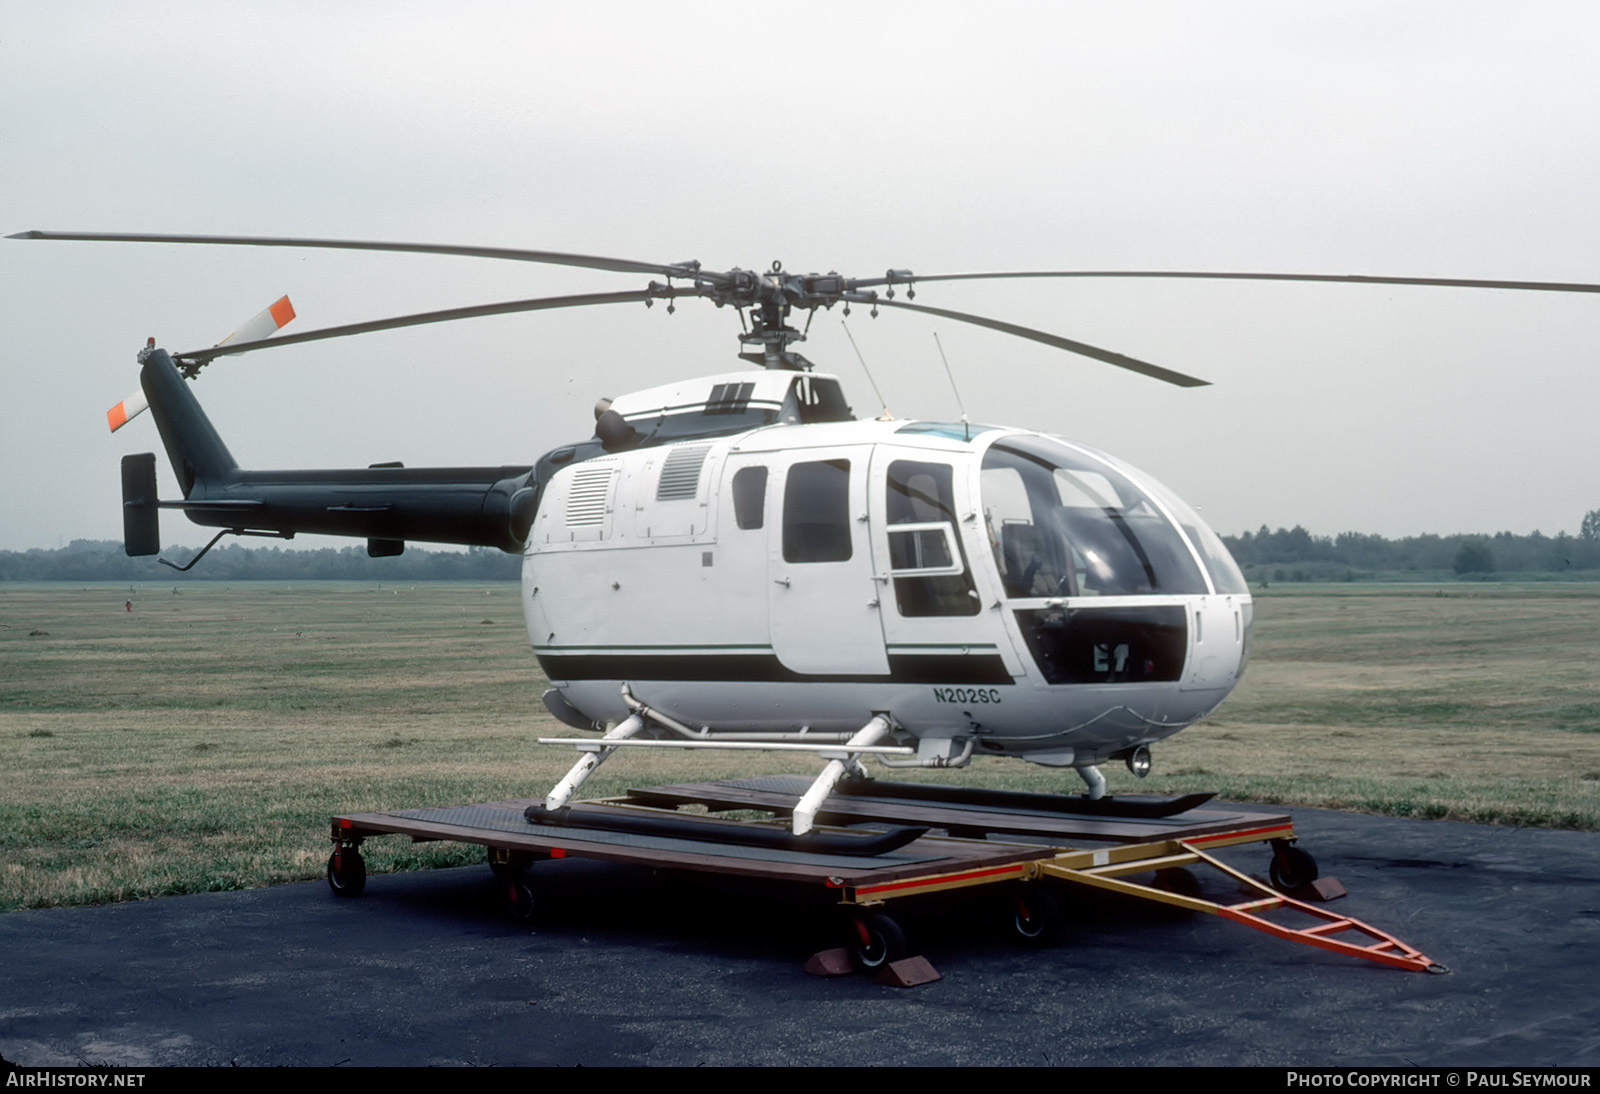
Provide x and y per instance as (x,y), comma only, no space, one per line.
(738,561)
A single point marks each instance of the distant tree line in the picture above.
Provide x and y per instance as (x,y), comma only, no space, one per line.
(104,560)
(1295,554)
(1292,554)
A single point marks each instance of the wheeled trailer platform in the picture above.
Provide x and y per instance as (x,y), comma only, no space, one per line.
(1037,849)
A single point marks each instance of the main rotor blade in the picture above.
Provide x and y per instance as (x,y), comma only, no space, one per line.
(421,318)
(1132,364)
(553,258)
(1214,275)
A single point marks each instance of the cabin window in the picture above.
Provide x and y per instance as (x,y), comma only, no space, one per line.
(816,512)
(1225,574)
(1063,523)
(750,497)
(925,555)
(1106,645)
(922,549)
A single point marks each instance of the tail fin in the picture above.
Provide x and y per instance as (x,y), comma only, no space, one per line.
(194,447)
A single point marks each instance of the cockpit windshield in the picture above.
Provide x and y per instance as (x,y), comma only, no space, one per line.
(1063,523)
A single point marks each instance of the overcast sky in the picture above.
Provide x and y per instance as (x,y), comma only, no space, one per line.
(1449,139)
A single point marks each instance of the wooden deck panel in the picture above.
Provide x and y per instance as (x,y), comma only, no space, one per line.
(501,824)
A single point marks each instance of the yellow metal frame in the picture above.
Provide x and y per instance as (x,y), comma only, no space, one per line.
(1107,867)
(866,896)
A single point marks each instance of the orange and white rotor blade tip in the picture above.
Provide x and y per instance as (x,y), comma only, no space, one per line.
(265,325)
(125,411)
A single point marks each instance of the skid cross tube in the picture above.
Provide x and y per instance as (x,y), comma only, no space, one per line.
(1105,870)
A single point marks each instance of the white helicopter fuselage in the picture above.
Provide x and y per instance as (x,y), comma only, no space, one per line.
(982,587)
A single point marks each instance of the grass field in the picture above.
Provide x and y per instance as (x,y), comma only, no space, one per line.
(203,740)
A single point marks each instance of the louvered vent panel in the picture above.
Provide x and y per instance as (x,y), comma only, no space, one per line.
(680,475)
(586,501)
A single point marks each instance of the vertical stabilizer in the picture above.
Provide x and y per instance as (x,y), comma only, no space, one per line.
(193,445)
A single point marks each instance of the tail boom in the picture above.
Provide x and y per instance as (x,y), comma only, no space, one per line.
(473,506)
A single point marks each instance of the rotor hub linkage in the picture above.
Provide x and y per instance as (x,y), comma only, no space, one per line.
(770,297)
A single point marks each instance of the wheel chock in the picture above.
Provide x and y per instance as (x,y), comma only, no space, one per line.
(1319,891)
(830,963)
(908,972)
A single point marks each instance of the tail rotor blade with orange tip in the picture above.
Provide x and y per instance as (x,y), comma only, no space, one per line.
(265,324)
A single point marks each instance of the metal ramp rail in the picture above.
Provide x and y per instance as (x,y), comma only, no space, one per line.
(1106,869)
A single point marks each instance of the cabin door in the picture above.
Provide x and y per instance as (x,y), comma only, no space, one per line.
(823,600)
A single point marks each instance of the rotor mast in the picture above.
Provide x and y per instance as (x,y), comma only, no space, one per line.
(770,298)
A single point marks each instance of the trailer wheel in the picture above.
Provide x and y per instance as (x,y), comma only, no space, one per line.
(1036,915)
(1291,868)
(347,872)
(876,940)
(519,901)
(515,868)
(1180,882)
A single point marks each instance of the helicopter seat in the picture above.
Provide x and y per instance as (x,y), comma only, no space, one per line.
(1020,551)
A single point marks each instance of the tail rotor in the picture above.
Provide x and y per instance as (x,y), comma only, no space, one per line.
(264,324)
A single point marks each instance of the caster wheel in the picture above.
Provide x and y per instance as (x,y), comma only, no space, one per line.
(347,872)
(1036,915)
(1291,868)
(515,869)
(875,940)
(520,904)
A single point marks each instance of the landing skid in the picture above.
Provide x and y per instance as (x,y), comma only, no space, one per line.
(737,833)
(843,757)
(1132,806)
(843,774)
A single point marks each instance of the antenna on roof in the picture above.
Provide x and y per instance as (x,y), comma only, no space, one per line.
(885,416)
(965,425)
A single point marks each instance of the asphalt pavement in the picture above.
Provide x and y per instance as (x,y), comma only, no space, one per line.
(628,966)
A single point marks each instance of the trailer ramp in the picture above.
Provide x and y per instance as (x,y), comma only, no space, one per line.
(1108,870)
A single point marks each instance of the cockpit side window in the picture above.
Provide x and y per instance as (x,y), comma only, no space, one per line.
(924,540)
